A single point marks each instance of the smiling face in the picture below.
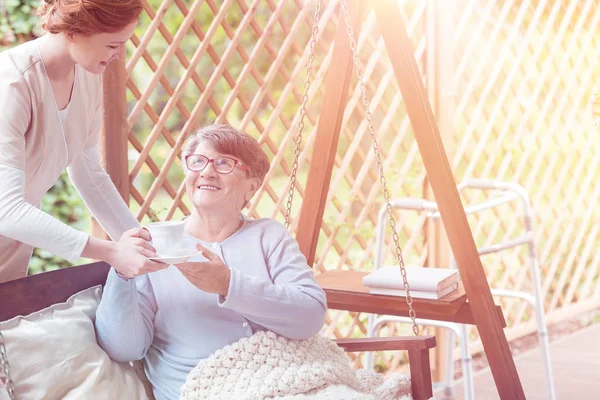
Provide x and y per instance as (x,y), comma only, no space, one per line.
(221,193)
(95,52)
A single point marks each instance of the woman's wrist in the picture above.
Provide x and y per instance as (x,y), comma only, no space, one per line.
(224,284)
(99,249)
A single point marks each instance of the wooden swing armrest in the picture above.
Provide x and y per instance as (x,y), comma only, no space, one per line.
(387,343)
(418,357)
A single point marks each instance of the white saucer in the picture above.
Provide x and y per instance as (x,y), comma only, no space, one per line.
(179,258)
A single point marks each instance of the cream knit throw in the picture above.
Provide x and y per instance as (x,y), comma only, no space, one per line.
(269,366)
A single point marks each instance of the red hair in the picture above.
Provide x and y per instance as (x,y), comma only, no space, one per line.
(87,17)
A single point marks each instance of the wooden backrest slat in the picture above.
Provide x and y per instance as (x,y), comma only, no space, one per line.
(26,295)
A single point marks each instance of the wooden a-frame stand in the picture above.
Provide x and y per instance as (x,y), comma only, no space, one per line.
(344,289)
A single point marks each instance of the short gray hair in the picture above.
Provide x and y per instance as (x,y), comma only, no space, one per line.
(228,140)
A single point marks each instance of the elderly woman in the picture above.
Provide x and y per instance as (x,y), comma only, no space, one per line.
(255,278)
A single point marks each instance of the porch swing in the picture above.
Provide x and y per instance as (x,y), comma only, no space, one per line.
(344,289)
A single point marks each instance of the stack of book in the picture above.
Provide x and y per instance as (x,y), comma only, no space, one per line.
(425,283)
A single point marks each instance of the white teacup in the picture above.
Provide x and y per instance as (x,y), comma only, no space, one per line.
(167,237)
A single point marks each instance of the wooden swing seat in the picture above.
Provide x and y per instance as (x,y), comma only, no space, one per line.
(345,291)
(27,295)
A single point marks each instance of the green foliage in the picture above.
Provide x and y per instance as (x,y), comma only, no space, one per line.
(17,22)
(155,215)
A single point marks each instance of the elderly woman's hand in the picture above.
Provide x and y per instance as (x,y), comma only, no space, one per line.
(211,276)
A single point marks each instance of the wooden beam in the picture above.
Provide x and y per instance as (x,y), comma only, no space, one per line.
(113,135)
(439,24)
(436,163)
(328,133)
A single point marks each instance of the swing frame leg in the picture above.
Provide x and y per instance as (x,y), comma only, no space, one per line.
(418,357)
(420,374)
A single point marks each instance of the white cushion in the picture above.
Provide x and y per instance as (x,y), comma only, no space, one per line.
(53,354)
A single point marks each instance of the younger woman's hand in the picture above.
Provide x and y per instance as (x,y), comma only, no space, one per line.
(130,257)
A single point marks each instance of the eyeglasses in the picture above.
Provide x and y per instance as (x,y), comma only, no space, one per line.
(223,165)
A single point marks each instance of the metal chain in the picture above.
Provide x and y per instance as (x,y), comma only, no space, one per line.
(386,193)
(5,369)
(298,137)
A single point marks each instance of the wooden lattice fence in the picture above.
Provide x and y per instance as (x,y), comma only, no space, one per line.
(510,83)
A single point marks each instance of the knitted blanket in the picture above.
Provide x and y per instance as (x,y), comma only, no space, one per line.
(269,366)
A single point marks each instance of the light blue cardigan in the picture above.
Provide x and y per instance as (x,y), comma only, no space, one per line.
(169,323)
